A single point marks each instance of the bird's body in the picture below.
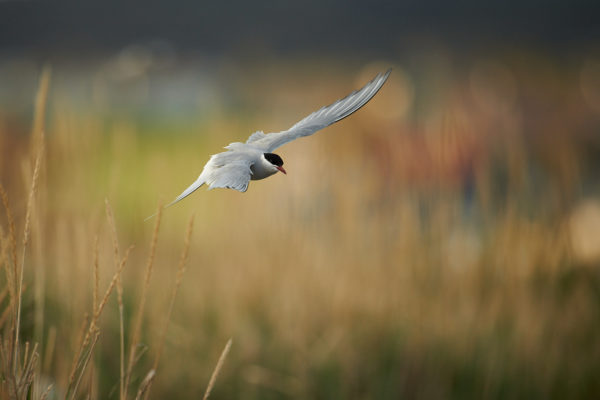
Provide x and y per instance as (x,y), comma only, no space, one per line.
(254,160)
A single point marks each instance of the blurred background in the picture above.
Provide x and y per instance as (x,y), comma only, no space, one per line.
(442,242)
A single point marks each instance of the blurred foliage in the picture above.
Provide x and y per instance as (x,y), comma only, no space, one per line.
(443,242)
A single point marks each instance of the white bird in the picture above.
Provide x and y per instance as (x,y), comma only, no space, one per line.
(254,160)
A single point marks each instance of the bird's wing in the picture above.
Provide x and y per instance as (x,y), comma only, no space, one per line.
(255,137)
(230,170)
(321,118)
(231,176)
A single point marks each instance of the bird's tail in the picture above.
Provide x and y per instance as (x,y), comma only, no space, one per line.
(191,189)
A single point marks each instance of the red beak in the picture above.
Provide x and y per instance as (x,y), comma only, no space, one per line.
(281,169)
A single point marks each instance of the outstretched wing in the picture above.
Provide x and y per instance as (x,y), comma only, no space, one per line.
(321,118)
(256,136)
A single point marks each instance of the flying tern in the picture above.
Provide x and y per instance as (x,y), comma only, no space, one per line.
(255,160)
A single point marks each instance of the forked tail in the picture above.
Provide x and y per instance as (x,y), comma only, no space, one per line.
(191,189)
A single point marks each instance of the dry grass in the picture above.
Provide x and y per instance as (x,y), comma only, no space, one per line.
(19,372)
(213,377)
(137,324)
(431,257)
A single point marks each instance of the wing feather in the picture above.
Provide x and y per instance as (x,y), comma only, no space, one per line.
(235,175)
(229,169)
(321,118)
(255,136)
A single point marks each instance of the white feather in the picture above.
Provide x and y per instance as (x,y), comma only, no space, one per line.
(322,117)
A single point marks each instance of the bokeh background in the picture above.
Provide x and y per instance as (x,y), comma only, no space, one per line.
(442,242)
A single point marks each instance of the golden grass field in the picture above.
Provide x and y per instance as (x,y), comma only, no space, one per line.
(443,242)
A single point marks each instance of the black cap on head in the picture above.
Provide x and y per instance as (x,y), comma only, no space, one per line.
(274,159)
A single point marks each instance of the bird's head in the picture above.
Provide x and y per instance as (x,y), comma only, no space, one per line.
(275,161)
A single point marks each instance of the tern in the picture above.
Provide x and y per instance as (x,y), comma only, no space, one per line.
(255,160)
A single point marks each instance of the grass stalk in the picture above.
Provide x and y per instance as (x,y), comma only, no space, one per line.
(113,228)
(96,270)
(213,377)
(94,321)
(26,234)
(135,334)
(178,279)
(145,385)
(10,267)
(41,100)
(85,360)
